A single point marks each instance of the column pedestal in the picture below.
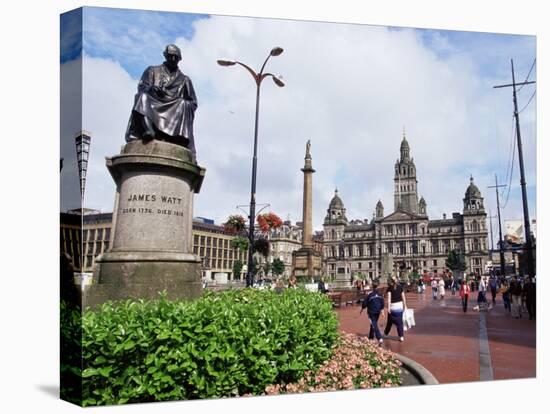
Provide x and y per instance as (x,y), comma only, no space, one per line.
(306,262)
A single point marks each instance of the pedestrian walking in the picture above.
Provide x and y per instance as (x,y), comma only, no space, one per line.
(321,286)
(441,289)
(493,285)
(454,286)
(434,288)
(464,293)
(420,286)
(481,295)
(374,303)
(530,292)
(505,290)
(397,304)
(515,296)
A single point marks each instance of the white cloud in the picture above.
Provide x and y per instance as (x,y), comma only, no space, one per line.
(71,120)
(350,89)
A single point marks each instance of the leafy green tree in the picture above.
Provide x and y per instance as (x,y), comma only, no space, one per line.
(278,266)
(237,268)
(267,268)
(456,262)
(240,243)
(261,245)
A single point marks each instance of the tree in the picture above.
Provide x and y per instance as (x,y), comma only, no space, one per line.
(241,243)
(237,269)
(456,262)
(261,246)
(255,266)
(267,268)
(278,266)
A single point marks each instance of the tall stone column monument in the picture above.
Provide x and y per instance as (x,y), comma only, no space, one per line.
(307,261)
(156,176)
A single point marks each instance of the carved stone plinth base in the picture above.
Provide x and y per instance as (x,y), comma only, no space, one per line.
(151,247)
(143,276)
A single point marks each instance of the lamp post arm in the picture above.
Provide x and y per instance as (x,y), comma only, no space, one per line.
(251,71)
(265,75)
(263,66)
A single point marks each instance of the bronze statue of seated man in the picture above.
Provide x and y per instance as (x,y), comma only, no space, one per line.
(165,104)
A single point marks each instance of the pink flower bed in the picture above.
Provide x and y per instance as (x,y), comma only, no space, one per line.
(356,363)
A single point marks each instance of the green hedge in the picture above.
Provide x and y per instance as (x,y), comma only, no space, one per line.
(224,344)
(70,345)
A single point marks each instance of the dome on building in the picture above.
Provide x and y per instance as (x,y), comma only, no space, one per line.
(336,202)
(472,191)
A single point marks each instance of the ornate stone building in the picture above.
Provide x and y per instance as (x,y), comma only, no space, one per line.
(285,240)
(406,236)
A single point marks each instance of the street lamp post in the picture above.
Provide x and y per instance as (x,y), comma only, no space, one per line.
(258,78)
(82,141)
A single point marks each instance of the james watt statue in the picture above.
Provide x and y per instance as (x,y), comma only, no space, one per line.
(165,104)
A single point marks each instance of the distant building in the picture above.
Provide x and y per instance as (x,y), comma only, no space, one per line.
(210,242)
(285,240)
(407,235)
(213,245)
(70,238)
(96,237)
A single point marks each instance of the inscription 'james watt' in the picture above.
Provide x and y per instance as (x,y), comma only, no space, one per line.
(153,198)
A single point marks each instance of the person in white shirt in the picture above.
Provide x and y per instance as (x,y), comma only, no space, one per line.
(434,288)
(481,296)
(441,288)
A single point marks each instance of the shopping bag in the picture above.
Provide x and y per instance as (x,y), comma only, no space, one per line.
(408,319)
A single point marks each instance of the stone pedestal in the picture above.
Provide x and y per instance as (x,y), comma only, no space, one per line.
(151,241)
(342,281)
(306,262)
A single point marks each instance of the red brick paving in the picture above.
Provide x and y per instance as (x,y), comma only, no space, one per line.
(445,340)
(513,356)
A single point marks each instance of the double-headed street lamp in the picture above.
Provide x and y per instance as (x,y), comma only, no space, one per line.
(258,78)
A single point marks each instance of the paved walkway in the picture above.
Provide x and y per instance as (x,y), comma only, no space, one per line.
(456,346)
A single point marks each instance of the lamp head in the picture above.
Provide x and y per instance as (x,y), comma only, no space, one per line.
(226,62)
(278,81)
(276,51)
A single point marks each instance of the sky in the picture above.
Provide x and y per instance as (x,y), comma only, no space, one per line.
(350,89)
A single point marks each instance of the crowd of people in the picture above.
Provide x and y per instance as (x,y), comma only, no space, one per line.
(518,296)
(518,293)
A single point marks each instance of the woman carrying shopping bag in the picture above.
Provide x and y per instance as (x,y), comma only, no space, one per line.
(397,304)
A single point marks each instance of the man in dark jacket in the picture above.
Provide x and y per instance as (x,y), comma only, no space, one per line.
(530,292)
(374,303)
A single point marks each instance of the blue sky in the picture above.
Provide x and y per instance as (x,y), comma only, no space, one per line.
(130,37)
(355,85)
